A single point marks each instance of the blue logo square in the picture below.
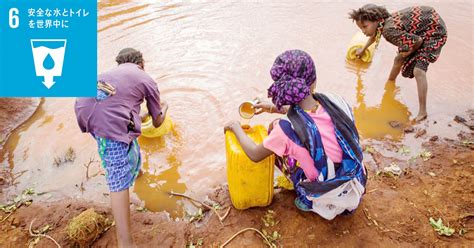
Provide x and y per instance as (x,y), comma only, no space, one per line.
(48,48)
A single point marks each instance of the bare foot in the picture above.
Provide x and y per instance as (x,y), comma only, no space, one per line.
(420,117)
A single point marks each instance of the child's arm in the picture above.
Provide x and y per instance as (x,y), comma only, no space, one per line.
(156,108)
(161,118)
(255,152)
(360,51)
(264,106)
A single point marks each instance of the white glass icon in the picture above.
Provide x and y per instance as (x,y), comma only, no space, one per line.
(48,55)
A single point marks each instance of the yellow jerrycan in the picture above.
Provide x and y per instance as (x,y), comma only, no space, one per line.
(250,183)
(149,131)
(358,41)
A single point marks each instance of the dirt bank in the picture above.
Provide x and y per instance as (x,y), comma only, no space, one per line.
(394,212)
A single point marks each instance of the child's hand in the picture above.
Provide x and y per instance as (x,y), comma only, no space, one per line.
(404,54)
(359,52)
(144,116)
(164,108)
(231,126)
(164,105)
(264,106)
(399,58)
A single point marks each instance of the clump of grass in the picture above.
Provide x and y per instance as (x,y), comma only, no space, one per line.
(466,143)
(404,150)
(199,243)
(198,216)
(439,227)
(425,155)
(270,225)
(85,228)
(69,156)
(370,149)
(23,199)
(393,171)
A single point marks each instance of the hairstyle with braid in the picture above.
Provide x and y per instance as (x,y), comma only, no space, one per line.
(369,12)
(129,55)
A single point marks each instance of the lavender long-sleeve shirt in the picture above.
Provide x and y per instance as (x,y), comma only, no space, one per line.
(111,117)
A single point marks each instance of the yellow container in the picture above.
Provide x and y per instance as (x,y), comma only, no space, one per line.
(247,109)
(149,131)
(250,183)
(358,41)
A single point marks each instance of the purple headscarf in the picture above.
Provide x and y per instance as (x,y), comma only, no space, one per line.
(293,73)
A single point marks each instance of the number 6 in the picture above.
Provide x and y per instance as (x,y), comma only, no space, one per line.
(14,21)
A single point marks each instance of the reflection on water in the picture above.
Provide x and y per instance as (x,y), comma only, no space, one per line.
(384,120)
(160,177)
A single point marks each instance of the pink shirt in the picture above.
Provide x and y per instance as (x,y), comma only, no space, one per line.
(280,144)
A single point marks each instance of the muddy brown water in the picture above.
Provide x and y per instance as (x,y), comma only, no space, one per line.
(207,58)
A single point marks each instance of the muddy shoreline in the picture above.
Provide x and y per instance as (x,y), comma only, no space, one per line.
(13,113)
(394,212)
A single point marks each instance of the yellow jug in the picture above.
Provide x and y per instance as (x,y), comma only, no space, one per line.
(250,183)
(149,131)
(358,41)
